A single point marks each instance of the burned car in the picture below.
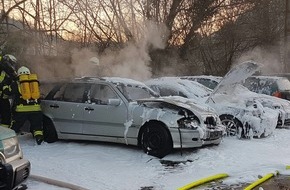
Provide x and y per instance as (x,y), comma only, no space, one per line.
(14,169)
(242,113)
(120,110)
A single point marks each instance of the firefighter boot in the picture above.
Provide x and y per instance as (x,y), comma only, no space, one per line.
(38,137)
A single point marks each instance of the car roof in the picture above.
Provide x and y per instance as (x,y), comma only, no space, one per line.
(114,80)
(210,77)
(267,77)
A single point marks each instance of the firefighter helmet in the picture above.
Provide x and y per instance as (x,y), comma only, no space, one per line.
(23,71)
(8,64)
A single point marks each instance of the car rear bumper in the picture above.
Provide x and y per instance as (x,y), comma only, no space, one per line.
(14,173)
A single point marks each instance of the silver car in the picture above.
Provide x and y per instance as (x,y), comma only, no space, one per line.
(126,111)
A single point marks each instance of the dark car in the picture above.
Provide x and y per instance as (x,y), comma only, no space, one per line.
(14,169)
(269,85)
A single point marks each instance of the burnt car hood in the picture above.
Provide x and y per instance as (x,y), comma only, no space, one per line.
(178,103)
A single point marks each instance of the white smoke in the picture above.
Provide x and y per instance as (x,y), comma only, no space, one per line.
(132,61)
(269,59)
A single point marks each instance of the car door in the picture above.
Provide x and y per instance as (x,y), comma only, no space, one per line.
(67,106)
(101,117)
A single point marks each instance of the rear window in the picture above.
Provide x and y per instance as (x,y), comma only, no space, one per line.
(284,84)
(261,86)
(267,85)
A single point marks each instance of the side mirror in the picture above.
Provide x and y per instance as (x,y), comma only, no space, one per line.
(114,102)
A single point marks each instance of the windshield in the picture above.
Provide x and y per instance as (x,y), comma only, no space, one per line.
(136,92)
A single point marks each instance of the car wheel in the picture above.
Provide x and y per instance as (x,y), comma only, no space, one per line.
(49,132)
(156,141)
(233,126)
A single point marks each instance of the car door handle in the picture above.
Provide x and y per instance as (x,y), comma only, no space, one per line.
(54,106)
(89,109)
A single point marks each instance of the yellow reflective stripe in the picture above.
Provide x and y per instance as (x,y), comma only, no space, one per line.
(6,87)
(2,76)
(38,133)
(28,108)
(4,125)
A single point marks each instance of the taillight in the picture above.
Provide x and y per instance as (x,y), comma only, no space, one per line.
(277,94)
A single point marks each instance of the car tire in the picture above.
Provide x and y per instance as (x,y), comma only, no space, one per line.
(156,141)
(233,126)
(49,132)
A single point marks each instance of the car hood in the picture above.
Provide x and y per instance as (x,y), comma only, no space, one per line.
(180,102)
(235,76)
(6,133)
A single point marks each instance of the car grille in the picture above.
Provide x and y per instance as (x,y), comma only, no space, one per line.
(287,122)
(213,135)
(21,174)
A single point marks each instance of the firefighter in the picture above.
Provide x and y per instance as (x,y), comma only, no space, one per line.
(26,103)
(7,75)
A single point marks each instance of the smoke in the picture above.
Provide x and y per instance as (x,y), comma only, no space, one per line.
(132,61)
(270,59)
(81,62)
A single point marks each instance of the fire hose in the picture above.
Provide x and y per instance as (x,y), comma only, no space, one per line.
(56,182)
(203,181)
(260,181)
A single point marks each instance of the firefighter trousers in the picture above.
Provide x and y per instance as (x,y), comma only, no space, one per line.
(34,118)
(5,112)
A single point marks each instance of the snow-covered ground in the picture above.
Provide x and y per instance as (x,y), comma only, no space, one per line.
(95,165)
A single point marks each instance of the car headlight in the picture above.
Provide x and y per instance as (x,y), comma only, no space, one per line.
(189,123)
(11,147)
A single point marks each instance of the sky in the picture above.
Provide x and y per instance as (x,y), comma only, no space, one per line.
(95,165)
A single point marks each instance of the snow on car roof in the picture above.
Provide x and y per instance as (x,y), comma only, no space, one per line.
(182,85)
(125,81)
(210,77)
(116,80)
(265,77)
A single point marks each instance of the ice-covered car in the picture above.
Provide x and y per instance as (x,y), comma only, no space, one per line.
(14,169)
(126,111)
(282,105)
(243,115)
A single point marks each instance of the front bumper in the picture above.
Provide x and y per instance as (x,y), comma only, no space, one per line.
(213,137)
(186,138)
(14,173)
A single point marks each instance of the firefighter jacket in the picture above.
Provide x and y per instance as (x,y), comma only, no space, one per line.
(20,104)
(5,82)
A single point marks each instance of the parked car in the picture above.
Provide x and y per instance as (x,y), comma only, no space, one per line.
(209,81)
(266,100)
(120,110)
(243,117)
(242,114)
(14,169)
(270,85)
